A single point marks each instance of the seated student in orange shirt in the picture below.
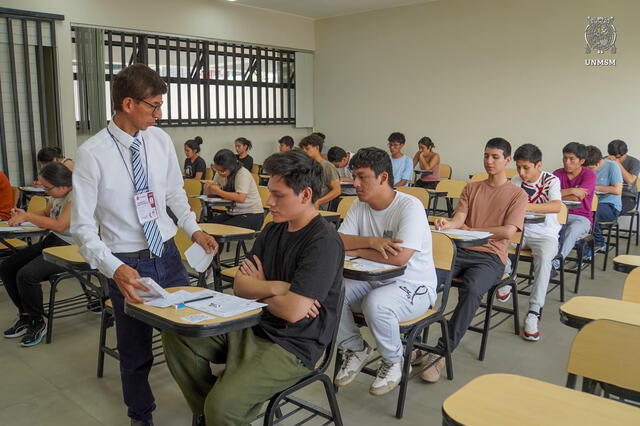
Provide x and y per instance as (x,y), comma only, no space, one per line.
(494,205)
(6,197)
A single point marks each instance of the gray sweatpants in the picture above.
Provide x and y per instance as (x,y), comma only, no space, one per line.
(544,249)
(576,227)
(384,304)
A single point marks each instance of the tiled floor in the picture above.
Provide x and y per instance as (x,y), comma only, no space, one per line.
(56,384)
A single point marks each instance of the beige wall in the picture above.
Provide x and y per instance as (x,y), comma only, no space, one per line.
(198,18)
(463,71)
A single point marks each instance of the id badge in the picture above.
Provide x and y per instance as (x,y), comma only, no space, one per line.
(145,207)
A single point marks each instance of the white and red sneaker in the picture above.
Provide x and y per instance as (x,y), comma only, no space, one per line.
(504,293)
(531,331)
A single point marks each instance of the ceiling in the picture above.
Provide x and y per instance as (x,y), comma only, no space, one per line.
(318,9)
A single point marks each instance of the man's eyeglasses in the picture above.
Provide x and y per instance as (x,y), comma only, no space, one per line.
(155,107)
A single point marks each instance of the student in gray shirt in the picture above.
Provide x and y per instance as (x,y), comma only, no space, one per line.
(630,168)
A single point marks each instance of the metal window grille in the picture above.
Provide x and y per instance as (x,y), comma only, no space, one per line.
(29,106)
(209,82)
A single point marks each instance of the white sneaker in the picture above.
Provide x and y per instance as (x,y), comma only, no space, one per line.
(352,363)
(433,373)
(531,331)
(387,378)
(504,293)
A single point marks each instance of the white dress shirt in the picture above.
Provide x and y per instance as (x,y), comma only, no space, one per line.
(104,191)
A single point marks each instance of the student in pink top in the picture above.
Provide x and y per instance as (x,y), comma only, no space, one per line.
(426,159)
(577,183)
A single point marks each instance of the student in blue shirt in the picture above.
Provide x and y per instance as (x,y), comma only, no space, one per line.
(608,189)
(402,165)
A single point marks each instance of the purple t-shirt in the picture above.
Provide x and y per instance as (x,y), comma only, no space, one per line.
(587,180)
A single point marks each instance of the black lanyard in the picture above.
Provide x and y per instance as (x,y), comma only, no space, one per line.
(146,160)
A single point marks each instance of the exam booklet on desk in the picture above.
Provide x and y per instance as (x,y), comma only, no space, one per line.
(465,235)
(365,265)
(207,301)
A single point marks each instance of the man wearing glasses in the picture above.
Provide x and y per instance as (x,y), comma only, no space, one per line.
(125,178)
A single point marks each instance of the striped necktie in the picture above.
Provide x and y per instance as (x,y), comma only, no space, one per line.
(151,231)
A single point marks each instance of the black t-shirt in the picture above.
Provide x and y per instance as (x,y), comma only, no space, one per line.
(247,161)
(190,169)
(311,259)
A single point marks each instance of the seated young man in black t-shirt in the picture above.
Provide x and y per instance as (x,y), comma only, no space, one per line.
(295,267)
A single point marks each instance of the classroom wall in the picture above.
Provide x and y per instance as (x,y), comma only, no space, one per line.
(199,18)
(463,71)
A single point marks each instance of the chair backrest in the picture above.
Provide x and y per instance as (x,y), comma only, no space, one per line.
(511,173)
(445,171)
(37,203)
(631,291)
(183,242)
(452,187)
(594,204)
(256,178)
(344,206)
(192,187)
(209,173)
(444,257)
(420,193)
(479,177)
(196,207)
(562,215)
(515,257)
(256,168)
(16,195)
(264,196)
(267,219)
(607,351)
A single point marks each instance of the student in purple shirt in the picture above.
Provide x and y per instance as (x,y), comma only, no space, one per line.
(577,183)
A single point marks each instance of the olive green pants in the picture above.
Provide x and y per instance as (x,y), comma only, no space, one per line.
(256,369)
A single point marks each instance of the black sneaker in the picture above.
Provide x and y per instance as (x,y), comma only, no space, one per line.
(35,332)
(19,327)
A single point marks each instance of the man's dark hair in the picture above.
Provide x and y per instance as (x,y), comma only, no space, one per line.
(313,139)
(577,149)
(617,147)
(594,155)
(336,154)
(528,152)
(286,140)
(298,170)
(397,137)
(322,135)
(136,81)
(375,159)
(57,174)
(49,154)
(500,143)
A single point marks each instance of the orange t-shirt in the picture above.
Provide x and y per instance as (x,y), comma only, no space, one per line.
(6,197)
(488,206)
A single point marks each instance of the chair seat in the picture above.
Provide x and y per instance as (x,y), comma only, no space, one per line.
(523,252)
(108,303)
(230,272)
(15,243)
(416,320)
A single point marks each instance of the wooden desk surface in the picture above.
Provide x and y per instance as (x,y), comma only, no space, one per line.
(220,230)
(171,318)
(324,213)
(583,309)
(66,253)
(506,399)
(626,263)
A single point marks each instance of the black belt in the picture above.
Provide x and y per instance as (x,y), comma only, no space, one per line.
(143,254)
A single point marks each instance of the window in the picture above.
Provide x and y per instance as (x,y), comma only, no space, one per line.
(209,82)
(29,111)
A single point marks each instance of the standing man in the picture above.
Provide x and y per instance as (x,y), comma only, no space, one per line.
(126,176)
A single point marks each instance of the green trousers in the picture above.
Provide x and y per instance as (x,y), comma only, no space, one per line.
(256,369)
